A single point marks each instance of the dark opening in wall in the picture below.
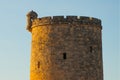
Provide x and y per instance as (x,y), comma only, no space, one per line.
(64,56)
(38,65)
(91,49)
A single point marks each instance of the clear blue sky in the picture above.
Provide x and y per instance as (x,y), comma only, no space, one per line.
(15,40)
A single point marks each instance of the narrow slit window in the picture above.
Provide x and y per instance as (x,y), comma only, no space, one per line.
(64,56)
(38,64)
(91,49)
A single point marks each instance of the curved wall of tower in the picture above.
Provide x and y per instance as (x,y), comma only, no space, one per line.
(66,48)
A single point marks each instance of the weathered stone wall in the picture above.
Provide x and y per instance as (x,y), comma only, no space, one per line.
(66,49)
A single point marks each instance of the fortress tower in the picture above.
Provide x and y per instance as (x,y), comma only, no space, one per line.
(65,48)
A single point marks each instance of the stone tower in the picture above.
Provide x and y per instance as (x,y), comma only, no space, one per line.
(65,48)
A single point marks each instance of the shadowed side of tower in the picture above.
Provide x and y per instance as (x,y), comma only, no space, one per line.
(66,48)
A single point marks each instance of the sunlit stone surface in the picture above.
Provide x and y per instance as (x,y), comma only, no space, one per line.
(66,48)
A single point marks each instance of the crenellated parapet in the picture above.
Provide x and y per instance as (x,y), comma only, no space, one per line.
(66,20)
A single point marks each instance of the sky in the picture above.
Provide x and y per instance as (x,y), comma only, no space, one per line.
(15,40)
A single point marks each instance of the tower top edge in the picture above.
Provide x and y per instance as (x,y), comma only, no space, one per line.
(73,18)
(66,20)
(33,20)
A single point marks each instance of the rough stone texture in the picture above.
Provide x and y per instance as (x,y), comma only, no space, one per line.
(78,39)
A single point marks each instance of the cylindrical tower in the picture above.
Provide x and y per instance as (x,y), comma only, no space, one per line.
(66,48)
